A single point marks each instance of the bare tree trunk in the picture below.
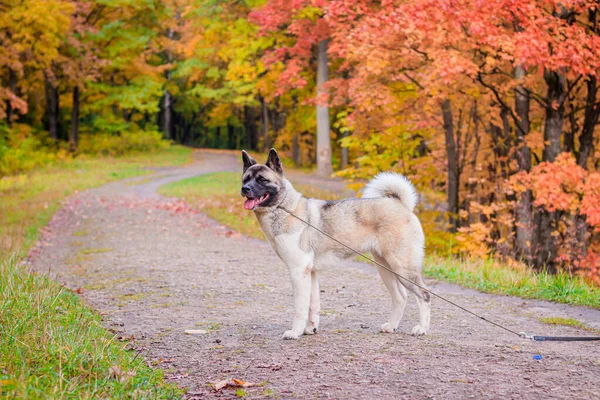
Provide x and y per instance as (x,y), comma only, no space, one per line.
(453,173)
(167,129)
(12,84)
(344,161)
(250,126)
(524,218)
(590,120)
(324,167)
(554,117)
(586,148)
(266,139)
(296,156)
(52,107)
(547,251)
(230,136)
(167,115)
(473,181)
(277,123)
(74,132)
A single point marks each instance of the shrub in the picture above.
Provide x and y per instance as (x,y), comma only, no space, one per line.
(121,144)
(22,149)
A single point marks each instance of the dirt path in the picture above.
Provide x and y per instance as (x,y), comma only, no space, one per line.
(155,268)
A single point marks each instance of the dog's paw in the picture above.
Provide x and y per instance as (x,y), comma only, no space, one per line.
(419,331)
(386,328)
(311,329)
(290,335)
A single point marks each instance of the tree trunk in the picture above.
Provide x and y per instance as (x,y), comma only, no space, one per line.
(230,136)
(296,156)
(546,245)
(453,173)
(250,127)
(52,107)
(266,139)
(344,160)
(501,139)
(324,167)
(555,112)
(586,148)
(524,219)
(12,84)
(167,115)
(167,128)
(217,139)
(74,133)
(590,120)
(277,122)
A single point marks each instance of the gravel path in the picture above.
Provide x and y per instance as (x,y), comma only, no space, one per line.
(155,268)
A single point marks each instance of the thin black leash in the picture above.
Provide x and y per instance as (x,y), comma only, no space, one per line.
(522,335)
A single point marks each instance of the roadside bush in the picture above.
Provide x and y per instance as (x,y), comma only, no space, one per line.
(121,144)
(23,149)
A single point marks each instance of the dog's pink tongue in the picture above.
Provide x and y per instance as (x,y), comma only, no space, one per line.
(249,204)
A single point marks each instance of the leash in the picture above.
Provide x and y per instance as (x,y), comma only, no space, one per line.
(522,335)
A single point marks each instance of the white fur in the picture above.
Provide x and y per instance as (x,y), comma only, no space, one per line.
(305,253)
(301,268)
(390,183)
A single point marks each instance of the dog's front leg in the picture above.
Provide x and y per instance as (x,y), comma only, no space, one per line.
(301,281)
(315,305)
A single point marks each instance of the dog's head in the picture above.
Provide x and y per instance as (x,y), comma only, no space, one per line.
(262,184)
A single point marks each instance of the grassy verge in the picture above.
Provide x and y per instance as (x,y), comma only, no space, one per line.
(491,277)
(51,344)
(217,195)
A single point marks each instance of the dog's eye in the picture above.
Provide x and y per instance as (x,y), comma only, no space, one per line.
(260,179)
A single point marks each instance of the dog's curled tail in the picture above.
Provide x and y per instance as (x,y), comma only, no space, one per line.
(392,184)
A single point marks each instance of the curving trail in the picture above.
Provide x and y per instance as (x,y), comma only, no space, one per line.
(155,268)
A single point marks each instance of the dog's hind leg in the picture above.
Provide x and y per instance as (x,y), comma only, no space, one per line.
(424,304)
(413,278)
(315,305)
(398,294)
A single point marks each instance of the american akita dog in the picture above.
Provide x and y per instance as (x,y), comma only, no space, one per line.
(381,222)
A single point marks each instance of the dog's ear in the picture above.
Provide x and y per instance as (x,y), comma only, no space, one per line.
(247,160)
(274,162)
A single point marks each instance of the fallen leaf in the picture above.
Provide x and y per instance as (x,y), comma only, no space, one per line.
(232,382)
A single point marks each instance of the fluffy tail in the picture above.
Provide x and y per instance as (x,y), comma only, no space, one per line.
(392,184)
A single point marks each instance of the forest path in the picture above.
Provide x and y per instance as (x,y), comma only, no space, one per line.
(154,268)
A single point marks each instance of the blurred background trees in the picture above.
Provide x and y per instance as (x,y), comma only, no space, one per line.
(492,103)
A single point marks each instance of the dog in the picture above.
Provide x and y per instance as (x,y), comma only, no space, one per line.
(381,222)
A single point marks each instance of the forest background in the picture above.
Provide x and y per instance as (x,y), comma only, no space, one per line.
(490,107)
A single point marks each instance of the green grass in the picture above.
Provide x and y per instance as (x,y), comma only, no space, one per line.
(51,344)
(490,277)
(217,195)
(563,322)
(567,322)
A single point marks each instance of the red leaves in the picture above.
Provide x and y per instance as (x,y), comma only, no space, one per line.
(558,185)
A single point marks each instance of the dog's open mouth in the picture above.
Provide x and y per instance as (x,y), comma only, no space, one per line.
(251,204)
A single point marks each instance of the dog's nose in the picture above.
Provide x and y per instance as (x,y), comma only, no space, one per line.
(245,189)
